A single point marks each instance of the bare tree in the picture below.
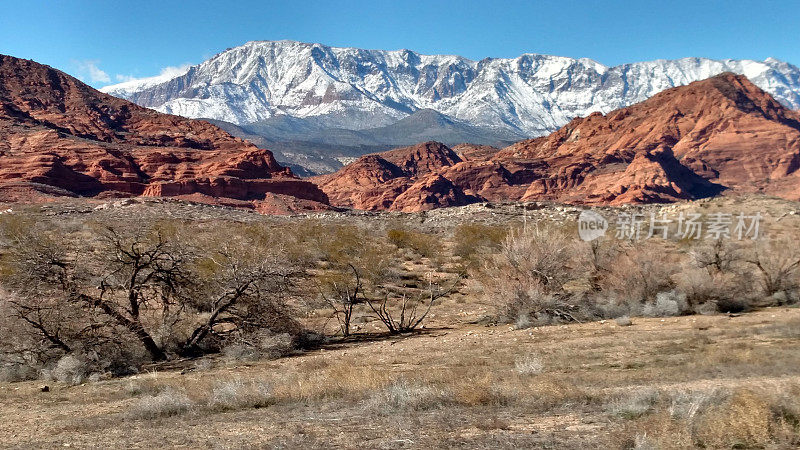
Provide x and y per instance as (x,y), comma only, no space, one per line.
(407,317)
(243,290)
(159,291)
(36,273)
(778,266)
(127,280)
(143,274)
(343,300)
(717,257)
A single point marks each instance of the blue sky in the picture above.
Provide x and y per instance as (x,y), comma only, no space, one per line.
(104,42)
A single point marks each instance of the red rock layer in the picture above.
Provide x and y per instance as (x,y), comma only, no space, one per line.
(689,142)
(56,132)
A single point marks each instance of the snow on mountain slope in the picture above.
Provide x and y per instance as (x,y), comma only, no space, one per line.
(138,84)
(358,89)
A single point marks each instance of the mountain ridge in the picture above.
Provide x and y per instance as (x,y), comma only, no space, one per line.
(351,88)
(694,141)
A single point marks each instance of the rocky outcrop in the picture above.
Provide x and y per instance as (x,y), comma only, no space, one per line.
(716,135)
(374,182)
(434,191)
(58,132)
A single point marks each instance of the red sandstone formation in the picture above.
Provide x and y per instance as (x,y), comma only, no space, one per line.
(689,142)
(59,136)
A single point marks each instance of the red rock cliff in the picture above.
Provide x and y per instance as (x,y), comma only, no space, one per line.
(56,131)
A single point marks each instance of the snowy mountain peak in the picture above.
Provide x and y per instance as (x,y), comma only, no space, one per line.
(352,88)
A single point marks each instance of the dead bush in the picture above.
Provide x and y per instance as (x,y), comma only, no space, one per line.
(527,277)
(528,365)
(406,314)
(406,395)
(777,267)
(720,256)
(260,344)
(623,321)
(169,402)
(633,404)
(70,369)
(723,291)
(238,394)
(639,273)
(666,304)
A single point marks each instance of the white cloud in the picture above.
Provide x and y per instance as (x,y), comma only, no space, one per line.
(124,78)
(167,73)
(174,71)
(87,69)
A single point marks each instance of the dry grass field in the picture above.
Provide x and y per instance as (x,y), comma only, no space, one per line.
(659,383)
(466,378)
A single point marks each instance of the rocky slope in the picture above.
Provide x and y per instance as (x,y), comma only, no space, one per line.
(356,89)
(695,141)
(59,136)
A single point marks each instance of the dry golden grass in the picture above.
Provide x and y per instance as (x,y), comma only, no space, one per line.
(458,387)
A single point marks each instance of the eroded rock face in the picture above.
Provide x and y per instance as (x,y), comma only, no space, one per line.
(695,141)
(374,182)
(56,132)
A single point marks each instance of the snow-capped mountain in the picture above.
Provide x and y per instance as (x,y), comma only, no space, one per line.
(357,89)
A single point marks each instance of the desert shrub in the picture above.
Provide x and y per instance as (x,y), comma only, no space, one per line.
(169,402)
(473,239)
(405,313)
(21,354)
(666,304)
(240,287)
(423,244)
(331,243)
(720,256)
(351,274)
(639,273)
(634,403)
(260,344)
(407,395)
(528,365)
(125,297)
(623,321)
(70,369)
(777,268)
(721,279)
(527,276)
(601,256)
(723,291)
(238,394)
(726,272)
